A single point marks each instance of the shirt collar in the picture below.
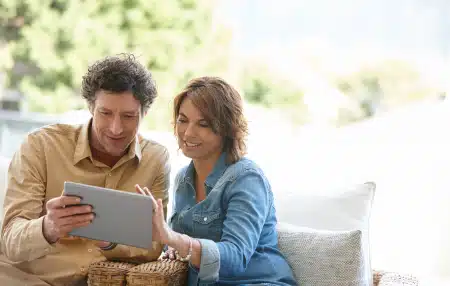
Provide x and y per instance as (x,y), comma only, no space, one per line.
(83,149)
(213,177)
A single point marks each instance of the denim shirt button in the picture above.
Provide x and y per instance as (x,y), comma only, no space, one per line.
(205,219)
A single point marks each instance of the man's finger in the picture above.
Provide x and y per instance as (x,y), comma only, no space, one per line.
(76,219)
(68,228)
(74,210)
(62,201)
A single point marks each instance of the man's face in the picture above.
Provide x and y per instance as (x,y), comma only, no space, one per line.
(116,119)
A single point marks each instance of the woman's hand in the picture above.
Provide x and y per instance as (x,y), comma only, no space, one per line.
(170,254)
(161,231)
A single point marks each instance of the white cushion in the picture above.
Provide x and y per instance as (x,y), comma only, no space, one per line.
(337,210)
(323,258)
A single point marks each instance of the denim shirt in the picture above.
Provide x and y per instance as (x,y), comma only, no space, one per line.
(235,226)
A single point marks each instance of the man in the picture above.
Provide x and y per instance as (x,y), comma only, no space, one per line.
(106,151)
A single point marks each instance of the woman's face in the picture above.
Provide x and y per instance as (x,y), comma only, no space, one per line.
(195,136)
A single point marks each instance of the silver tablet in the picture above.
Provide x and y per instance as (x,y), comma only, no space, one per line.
(120,217)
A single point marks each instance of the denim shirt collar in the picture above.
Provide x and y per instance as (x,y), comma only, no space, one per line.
(213,177)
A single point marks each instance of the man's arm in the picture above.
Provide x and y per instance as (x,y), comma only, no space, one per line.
(160,190)
(22,238)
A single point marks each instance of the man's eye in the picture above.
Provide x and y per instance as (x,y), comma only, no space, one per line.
(204,125)
(181,120)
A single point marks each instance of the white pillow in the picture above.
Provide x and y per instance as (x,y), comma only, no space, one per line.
(323,258)
(337,210)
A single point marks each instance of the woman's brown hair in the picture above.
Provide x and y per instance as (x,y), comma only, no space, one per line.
(222,107)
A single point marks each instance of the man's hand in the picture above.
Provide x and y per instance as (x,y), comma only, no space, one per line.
(63,215)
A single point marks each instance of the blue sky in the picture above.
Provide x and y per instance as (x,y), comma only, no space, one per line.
(397,26)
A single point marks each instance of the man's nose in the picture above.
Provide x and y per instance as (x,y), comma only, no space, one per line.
(116,127)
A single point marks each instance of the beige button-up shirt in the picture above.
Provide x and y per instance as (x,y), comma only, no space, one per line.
(37,172)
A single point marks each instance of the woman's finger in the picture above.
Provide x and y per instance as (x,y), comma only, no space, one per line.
(146,192)
(160,206)
(139,190)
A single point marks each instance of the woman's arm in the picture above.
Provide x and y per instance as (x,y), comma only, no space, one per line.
(249,201)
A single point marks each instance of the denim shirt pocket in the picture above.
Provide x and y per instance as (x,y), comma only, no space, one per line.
(208,224)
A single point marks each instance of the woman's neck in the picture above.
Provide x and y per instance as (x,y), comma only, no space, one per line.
(204,167)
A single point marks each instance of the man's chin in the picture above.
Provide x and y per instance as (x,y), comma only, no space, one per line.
(116,152)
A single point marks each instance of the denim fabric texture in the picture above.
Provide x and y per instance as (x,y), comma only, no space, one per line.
(235,225)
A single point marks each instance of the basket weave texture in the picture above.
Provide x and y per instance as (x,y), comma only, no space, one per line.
(159,273)
(108,273)
(165,273)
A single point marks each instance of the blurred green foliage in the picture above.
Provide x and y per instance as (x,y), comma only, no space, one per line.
(50,43)
(382,86)
(266,88)
(47,45)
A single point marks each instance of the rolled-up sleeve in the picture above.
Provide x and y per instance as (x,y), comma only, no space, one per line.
(248,204)
(210,261)
(22,238)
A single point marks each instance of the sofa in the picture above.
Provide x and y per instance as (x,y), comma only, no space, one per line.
(324,237)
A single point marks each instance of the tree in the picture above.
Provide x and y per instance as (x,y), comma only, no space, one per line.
(265,88)
(386,85)
(52,42)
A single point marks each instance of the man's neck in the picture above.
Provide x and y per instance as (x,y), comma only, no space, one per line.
(104,157)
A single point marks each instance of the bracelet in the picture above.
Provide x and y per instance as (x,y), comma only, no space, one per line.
(109,247)
(188,256)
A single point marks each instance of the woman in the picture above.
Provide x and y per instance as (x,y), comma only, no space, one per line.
(223,219)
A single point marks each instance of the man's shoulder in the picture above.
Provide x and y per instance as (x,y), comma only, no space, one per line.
(54,134)
(55,130)
(151,148)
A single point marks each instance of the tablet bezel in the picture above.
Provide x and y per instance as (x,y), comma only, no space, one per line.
(121,217)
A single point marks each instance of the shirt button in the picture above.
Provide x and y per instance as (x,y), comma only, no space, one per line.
(82,269)
(205,219)
(89,250)
(109,174)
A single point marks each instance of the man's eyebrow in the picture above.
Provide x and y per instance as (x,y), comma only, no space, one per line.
(134,112)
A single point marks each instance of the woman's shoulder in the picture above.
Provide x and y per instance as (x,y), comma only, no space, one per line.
(244,167)
(181,174)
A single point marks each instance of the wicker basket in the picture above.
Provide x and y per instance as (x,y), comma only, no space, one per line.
(108,273)
(396,279)
(161,273)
